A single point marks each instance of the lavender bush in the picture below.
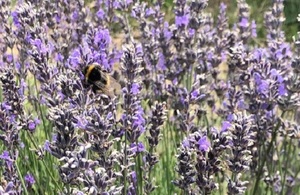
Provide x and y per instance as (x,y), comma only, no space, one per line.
(181,124)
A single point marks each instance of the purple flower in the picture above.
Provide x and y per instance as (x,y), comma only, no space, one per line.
(283,51)
(81,122)
(133,176)
(133,13)
(128,2)
(18,66)
(175,81)
(276,75)
(54,137)
(241,105)
(139,120)
(57,18)
(195,94)
(102,39)
(100,14)
(223,7)
(22,87)
(139,50)
(244,23)
(225,125)
(137,148)
(149,12)
(167,32)
(161,62)
(257,78)
(263,87)
(135,89)
(116,4)
(209,55)
(259,53)
(28,38)
(75,58)
(282,89)
(47,146)
(12,118)
(31,126)
(59,57)
(16,19)
(29,179)
(253,29)
(75,16)
(182,20)
(191,32)
(223,56)
(186,143)
(37,43)
(203,144)
(6,157)
(5,106)
(9,58)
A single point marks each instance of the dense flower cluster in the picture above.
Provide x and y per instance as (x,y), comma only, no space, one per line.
(181,124)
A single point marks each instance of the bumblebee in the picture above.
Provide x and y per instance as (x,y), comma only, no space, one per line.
(101,81)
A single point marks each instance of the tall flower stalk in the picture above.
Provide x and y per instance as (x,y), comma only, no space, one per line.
(132,120)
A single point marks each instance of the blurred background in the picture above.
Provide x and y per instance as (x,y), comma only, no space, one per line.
(258,8)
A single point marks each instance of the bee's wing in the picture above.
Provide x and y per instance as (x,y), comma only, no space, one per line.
(111,88)
(114,85)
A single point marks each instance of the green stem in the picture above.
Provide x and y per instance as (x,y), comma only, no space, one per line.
(21,178)
(168,160)
(46,166)
(267,189)
(260,172)
(286,165)
(39,107)
(149,171)
(139,173)
(207,125)
(125,164)
(279,161)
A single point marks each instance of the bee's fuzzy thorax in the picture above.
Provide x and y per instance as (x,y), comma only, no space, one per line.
(88,71)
